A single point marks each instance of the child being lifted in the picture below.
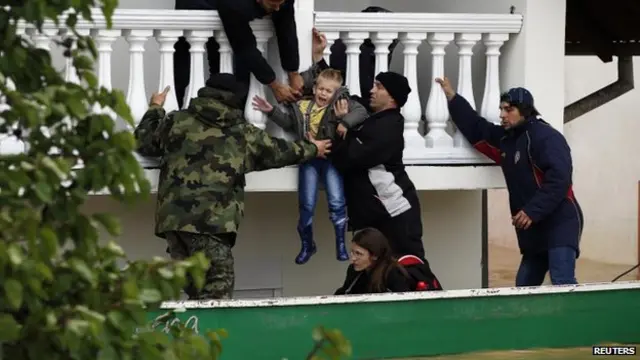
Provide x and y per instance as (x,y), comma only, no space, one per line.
(329,113)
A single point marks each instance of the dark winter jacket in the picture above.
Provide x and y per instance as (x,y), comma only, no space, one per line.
(357,282)
(196,4)
(536,162)
(376,184)
(236,15)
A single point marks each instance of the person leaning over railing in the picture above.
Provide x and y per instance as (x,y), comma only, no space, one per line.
(536,162)
(236,15)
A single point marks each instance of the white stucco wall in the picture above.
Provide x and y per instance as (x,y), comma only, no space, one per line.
(268,241)
(604,144)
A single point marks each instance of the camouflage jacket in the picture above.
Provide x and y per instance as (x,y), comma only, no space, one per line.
(205,152)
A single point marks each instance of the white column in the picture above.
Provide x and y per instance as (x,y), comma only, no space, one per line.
(353,41)
(382,41)
(136,93)
(197,39)
(491,98)
(104,40)
(412,110)
(255,117)
(166,40)
(43,40)
(70,74)
(465,44)
(437,112)
(226,53)
(331,36)
(9,144)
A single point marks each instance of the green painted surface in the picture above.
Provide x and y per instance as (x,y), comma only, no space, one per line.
(418,328)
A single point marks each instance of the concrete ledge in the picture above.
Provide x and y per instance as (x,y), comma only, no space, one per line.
(410,325)
(424,178)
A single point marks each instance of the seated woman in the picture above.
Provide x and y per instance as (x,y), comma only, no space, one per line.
(373,269)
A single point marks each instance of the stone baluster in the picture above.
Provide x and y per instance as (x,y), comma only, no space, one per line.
(412,110)
(382,41)
(70,73)
(331,36)
(437,112)
(104,40)
(226,53)
(166,40)
(491,98)
(136,93)
(353,41)
(197,39)
(465,43)
(256,117)
(42,40)
(9,144)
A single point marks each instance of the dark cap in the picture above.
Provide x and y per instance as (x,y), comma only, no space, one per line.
(228,82)
(397,86)
(519,96)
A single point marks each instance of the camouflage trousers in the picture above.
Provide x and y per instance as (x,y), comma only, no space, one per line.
(220,278)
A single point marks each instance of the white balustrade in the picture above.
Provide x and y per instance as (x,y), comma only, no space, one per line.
(439,145)
(419,34)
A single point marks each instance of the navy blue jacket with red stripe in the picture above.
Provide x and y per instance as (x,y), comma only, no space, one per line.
(536,163)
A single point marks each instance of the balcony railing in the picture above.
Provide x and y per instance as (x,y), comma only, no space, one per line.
(440,144)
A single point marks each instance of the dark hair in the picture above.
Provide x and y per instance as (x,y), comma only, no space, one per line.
(525,110)
(374,241)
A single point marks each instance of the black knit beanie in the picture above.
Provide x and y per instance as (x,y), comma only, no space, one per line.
(397,86)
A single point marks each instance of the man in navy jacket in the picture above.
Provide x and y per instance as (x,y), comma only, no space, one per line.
(536,163)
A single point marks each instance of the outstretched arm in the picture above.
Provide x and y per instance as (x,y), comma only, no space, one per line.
(482,134)
(244,44)
(152,131)
(284,24)
(267,152)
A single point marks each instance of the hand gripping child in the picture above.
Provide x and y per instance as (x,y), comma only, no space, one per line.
(327,115)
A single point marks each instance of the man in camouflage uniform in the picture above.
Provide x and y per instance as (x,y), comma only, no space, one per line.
(206,150)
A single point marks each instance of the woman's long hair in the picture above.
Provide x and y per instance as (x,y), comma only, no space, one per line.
(374,241)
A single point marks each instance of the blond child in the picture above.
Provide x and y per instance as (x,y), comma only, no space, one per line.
(327,115)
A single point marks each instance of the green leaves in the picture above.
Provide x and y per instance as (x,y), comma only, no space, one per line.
(64,293)
(9,328)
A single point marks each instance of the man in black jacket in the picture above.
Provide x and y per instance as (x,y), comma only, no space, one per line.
(236,15)
(378,190)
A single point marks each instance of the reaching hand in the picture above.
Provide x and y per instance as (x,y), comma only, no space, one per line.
(446,87)
(341,108)
(324,146)
(319,44)
(160,98)
(284,92)
(296,82)
(261,104)
(342,130)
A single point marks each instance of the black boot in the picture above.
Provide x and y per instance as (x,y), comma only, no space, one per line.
(308,245)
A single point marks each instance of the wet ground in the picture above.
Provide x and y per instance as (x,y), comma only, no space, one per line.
(503,264)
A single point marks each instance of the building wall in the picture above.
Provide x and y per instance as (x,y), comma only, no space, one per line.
(606,174)
(268,242)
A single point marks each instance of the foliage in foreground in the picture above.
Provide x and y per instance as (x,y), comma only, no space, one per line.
(64,294)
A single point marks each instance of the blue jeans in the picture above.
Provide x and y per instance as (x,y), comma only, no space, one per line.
(310,174)
(559,261)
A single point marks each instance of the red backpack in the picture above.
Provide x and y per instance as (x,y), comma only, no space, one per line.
(420,274)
